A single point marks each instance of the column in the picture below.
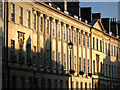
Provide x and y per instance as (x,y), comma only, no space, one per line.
(38,40)
(62,53)
(57,66)
(44,41)
(51,43)
(90,52)
(86,63)
(91,43)
(77,39)
(68,60)
(82,50)
(72,52)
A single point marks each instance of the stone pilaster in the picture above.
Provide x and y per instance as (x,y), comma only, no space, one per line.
(82,50)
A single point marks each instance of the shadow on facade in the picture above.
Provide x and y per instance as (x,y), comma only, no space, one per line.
(26,67)
(108,75)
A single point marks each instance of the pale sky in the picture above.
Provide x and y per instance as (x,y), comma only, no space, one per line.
(107,9)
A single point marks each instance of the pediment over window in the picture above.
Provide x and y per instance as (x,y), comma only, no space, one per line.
(21,36)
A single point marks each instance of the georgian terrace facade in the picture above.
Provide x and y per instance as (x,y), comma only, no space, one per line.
(38,52)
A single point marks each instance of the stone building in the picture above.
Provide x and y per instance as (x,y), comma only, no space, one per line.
(36,53)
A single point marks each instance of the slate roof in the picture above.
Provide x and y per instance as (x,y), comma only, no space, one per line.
(93,22)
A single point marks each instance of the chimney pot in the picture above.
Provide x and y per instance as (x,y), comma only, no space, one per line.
(113,19)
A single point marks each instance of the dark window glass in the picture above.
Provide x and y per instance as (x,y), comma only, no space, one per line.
(49,83)
(83,39)
(108,49)
(94,67)
(12,51)
(41,24)
(29,53)
(28,18)
(93,43)
(12,12)
(101,45)
(20,15)
(34,55)
(34,21)
(79,63)
(97,43)
(87,41)
(79,37)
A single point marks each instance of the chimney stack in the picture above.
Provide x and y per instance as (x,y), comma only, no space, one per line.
(114,27)
(74,8)
(86,13)
(96,16)
(106,24)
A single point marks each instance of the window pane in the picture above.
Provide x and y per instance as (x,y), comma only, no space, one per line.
(58,30)
(79,37)
(47,26)
(41,24)
(34,21)
(34,55)
(79,63)
(87,41)
(88,65)
(28,53)
(64,61)
(28,18)
(94,66)
(53,28)
(97,43)
(106,70)
(106,48)
(59,60)
(84,65)
(12,55)
(1,6)
(64,33)
(114,50)
(83,39)
(101,45)
(75,63)
(20,15)
(12,12)
(74,34)
(101,67)
(109,71)
(93,43)
(69,33)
